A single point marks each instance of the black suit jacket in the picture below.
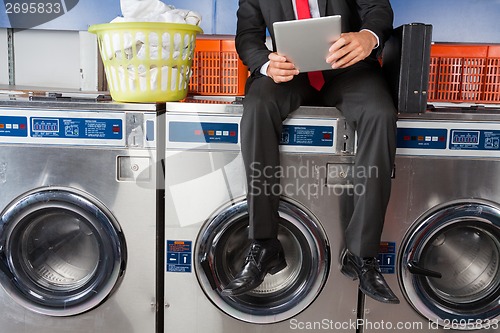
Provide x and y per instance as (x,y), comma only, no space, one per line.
(255,16)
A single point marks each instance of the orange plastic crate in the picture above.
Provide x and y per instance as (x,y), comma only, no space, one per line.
(217,69)
(464,73)
(492,80)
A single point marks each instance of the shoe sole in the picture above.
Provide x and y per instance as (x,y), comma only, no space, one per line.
(382,300)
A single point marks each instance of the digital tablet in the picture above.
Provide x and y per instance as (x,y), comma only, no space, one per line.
(306,42)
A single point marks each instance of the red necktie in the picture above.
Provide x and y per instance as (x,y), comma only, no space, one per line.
(304,12)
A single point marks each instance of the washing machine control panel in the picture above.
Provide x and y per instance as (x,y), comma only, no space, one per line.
(308,134)
(222,132)
(88,128)
(82,128)
(13,126)
(475,140)
(448,138)
(422,138)
(203,132)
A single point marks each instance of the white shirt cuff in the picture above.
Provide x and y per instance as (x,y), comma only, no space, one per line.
(374,34)
(263,69)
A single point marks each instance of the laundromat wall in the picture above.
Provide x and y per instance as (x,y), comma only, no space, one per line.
(61,54)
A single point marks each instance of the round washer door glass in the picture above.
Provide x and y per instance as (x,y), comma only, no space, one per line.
(450,264)
(62,252)
(221,249)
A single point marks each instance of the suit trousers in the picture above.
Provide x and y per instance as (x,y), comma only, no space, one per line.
(361,93)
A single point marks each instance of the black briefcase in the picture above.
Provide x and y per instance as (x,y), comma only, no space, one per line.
(405,60)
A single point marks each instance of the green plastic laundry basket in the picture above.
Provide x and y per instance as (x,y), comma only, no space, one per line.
(147,61)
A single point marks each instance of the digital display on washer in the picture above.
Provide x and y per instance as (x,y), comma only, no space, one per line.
(13,126)
(307,135)
(77,128)
(474,139)
(206,132)
(422,138)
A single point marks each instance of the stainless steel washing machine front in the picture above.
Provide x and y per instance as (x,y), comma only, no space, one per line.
(206,224)
(443,226)
(77,218)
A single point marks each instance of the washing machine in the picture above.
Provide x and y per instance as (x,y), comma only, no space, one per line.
(77,216)
(206,223)
(441,243)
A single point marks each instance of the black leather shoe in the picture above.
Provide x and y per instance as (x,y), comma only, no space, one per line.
(346,268)
(262,258)
(371,281)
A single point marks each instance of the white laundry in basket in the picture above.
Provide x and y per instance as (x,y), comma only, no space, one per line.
(159,47)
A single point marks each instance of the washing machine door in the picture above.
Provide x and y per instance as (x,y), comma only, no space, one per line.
(450,264)
(61,251)
(223,244)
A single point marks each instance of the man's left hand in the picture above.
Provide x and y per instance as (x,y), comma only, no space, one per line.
(351,48)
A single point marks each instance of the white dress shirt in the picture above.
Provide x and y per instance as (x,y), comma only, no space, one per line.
(314,8)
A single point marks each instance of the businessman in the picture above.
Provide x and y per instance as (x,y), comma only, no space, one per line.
(355,85)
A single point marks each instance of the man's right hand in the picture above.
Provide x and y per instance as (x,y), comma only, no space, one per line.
(280,69)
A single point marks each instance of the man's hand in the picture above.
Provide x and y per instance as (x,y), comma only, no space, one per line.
(350,48)
(280,69)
